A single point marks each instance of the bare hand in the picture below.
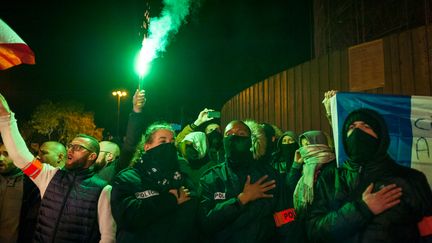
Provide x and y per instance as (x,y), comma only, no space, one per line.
(257,190)
(326,100)
(202,117)
(4,107)
(138,101)
(182,194)
(385,198)
(297,157)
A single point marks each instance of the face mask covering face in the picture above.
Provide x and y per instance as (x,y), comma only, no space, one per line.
(215,139)
(361,146)
(288,151)
(191,153)
(237,150)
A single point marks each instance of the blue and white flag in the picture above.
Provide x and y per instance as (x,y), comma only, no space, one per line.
(409,122)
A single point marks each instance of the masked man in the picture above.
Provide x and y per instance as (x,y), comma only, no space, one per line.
(371,198)
(210,126)
(243,200)
(194,149)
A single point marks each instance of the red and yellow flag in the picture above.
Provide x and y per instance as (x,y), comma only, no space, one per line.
(13,50)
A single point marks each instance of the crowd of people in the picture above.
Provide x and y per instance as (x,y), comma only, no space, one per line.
(250,182)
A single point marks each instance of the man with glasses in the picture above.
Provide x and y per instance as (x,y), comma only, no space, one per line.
(75,203)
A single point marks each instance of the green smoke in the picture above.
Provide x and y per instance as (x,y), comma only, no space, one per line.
(160,29)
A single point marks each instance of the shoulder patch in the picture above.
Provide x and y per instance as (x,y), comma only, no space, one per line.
(219,196)
(146,194)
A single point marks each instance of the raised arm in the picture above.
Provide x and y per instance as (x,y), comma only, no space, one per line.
(326,102)
(40,173)
(135,128)
(202,117)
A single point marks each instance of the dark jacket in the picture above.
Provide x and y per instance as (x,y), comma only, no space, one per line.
(134,131)
(224,219)
(68,212)
(301,214)
(29,211)
(145,214)
(338,213)
(195,169)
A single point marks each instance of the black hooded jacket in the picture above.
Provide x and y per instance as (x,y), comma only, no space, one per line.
(338,213)
(279,162)
(224,219)
(145,210)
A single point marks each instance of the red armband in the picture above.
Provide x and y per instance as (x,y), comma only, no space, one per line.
(33,169)
(284,217)
(425,226)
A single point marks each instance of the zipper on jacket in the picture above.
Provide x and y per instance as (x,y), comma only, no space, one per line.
(62,208)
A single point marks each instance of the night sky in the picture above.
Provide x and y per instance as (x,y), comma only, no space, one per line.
(86,49)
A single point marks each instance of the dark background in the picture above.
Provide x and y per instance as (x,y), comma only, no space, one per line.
(86,49)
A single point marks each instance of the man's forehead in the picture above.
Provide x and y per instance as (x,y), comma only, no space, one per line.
(44,149)
(164,133)
(104,145)
(46,146)
(236,127)
(80,140)
(358,122)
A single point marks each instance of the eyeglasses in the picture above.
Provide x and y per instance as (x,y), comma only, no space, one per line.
(77,147)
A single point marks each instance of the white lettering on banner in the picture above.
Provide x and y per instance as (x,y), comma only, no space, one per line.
(219,195)
(146,194)
(421,123)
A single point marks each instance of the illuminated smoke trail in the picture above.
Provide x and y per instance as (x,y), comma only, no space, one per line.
(159,31)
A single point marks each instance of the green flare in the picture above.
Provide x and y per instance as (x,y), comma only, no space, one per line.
(160,29)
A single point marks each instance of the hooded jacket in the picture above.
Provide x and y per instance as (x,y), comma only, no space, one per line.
(338,213)
(280,163)
(145,210)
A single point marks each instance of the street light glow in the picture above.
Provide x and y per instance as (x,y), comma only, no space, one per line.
(119,94)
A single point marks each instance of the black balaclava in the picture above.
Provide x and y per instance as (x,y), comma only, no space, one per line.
(270,145)
(215,139)
(192,156)
(160,164)
(238,151)
(283,157)
(287,152)
(191,153)
(361,147)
